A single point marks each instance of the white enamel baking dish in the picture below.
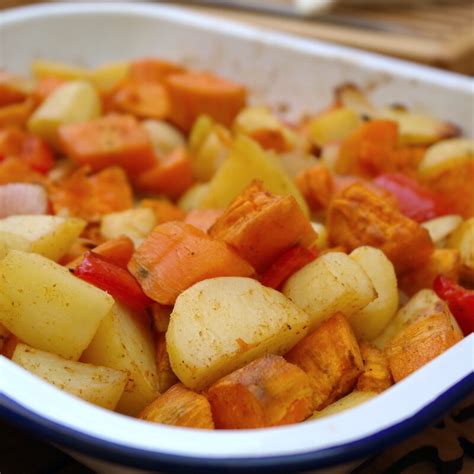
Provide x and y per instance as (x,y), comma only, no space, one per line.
(295,75)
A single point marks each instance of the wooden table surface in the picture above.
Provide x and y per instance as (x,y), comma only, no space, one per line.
(447,447)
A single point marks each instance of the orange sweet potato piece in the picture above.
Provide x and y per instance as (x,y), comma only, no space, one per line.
(164,210)
(17,170)
(180,406)
(267,392)
(368,149)
(166,376)
(446,262)
(359,216)
(176,255)
(10,92)
(317,186)
(331,357)
(193,94)
(261,226)
(106,141)
(421,341)
(144,99)
(153,69)
(376,375)
(17,114)
(270,139)
(171,176)
(90,197)
(203,219)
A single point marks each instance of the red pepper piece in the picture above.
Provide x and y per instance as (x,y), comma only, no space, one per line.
(460,302)
(414,200)
(112,279)
(288,263)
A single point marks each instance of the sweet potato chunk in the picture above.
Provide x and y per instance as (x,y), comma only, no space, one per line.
(421,341)
(16,115)
(376,376)
(180,406)
(12,89)
(177,255)
(166,376)
(260,226)
(267,392)
(111,140)
(358,216)
(446,262)
(153,69)
(331,357)
(17,170)
(195,94)
(317,186)
(91,196)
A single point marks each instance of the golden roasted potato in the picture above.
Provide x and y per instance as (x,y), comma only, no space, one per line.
(50,236)
(48,308)
(246,162)
(124,342)
(180,406)
(193,197)
(370,321)
(109,75)
(462,239)
(164,137)
(332,283)
(134,223)
(220,324)
(352,400)
(98,385)
(442,227)
(42,68)
(331,357)
(267,392)
(166,376)
(72,102)
(376,375)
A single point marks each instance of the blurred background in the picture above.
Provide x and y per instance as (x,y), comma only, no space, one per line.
(439,33)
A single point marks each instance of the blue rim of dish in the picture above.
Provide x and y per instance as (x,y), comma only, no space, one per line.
(97,448)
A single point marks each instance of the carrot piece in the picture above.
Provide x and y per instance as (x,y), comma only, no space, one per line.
(287,264)
(90,197)
(180,406)
(360,216)
(261,226)
(317,186)
(203,219)
(172,176)
(376,376)
(165,211)
(176,255)
(368,150)
(331,357)
(143,99)
(421,341)
(153,69)
(17,114)
(45,86)
(267,392)
(195,94)
(111,140)
(166,376)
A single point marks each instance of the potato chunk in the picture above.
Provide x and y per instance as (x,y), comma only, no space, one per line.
(420,342)
(48,308)
(331,357)
(72,102)
(267,392)
(462,239)
(180,406)
(332,283)
(370,321)
(376,376)
(261,226)
(221,324)
(124,342)
(352,400)
(50,236)
(359,216)
(99,385)
(166,376)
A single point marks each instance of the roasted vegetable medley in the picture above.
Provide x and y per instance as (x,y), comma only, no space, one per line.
(171,252)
